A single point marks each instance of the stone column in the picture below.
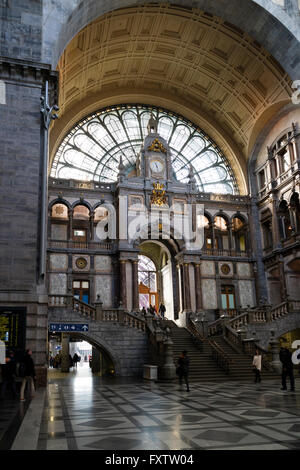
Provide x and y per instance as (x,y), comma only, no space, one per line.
(70,226)
(65,363)
(92,228)
(198,286)
(95,360)
(168,370)
(123,293)
(186,287)
(135,286)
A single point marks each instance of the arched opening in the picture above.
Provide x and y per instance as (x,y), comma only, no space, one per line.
(156,276)
(76,353)
(80,226)
(239,234)
(295,210)
(147,276)
(221,234)
(285,226)
(59,223)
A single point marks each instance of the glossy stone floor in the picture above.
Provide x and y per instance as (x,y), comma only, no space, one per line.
(79,411)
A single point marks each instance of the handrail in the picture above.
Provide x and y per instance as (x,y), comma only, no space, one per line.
(222,359)
(247,346)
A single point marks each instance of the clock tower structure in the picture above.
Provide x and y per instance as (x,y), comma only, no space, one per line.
(155,157)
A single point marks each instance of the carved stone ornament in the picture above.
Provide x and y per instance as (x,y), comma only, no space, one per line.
(81,263)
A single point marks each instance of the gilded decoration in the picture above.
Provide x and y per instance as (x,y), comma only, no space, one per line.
(157,146)
(158,197)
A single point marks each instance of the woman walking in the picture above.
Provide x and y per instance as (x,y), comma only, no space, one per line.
(257,366)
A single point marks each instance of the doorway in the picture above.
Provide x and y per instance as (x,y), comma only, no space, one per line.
(147,278)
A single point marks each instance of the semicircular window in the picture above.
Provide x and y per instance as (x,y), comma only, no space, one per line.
(92,150)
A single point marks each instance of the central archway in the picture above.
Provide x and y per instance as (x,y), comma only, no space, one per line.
(156,274)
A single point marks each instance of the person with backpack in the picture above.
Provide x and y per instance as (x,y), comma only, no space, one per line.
(28,372)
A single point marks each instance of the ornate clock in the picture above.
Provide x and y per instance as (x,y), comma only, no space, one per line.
(156,166)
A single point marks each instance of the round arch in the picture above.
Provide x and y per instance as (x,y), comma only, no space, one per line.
(100,345)
(243,15)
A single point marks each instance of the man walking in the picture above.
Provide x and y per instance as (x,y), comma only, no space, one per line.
(29,374)
(285,357)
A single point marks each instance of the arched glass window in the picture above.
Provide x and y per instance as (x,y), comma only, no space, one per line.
(147,277)
(93,148)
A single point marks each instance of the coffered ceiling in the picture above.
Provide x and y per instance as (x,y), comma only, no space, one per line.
(186,60)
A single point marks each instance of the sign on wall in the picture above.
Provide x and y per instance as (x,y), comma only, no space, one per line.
(68,327)
(13,327)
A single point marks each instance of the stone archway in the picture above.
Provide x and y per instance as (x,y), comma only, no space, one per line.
(161,255)
(100,345)
(259,18)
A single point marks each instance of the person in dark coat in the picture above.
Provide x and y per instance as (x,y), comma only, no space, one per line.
(8,375)
(162,310)
(183,364)
(285,357)
(29,374)
(75,360)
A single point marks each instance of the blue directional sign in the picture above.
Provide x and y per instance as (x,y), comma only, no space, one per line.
(71,327)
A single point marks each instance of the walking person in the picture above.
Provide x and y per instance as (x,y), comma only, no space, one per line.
(162,310)
(257,366)
(182,370)
(8,375)
(29,374)
(75,360)
(285,357)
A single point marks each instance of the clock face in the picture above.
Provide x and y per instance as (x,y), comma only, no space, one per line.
(156,166)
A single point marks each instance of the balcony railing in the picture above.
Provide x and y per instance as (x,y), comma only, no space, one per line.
(231,253)
(75,245)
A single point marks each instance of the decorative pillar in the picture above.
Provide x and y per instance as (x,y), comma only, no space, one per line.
(65,362)
(276,364)
(135,286)
(186,287)
(168,370)
(70,225)
(198,287)
(230,241)
(48,115)
(92,227)
(123,291)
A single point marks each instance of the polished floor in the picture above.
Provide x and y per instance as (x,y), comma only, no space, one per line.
(79,411)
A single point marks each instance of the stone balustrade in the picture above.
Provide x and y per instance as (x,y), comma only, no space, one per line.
(97,312)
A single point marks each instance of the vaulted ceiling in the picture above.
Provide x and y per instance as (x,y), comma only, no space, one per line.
(186,60)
